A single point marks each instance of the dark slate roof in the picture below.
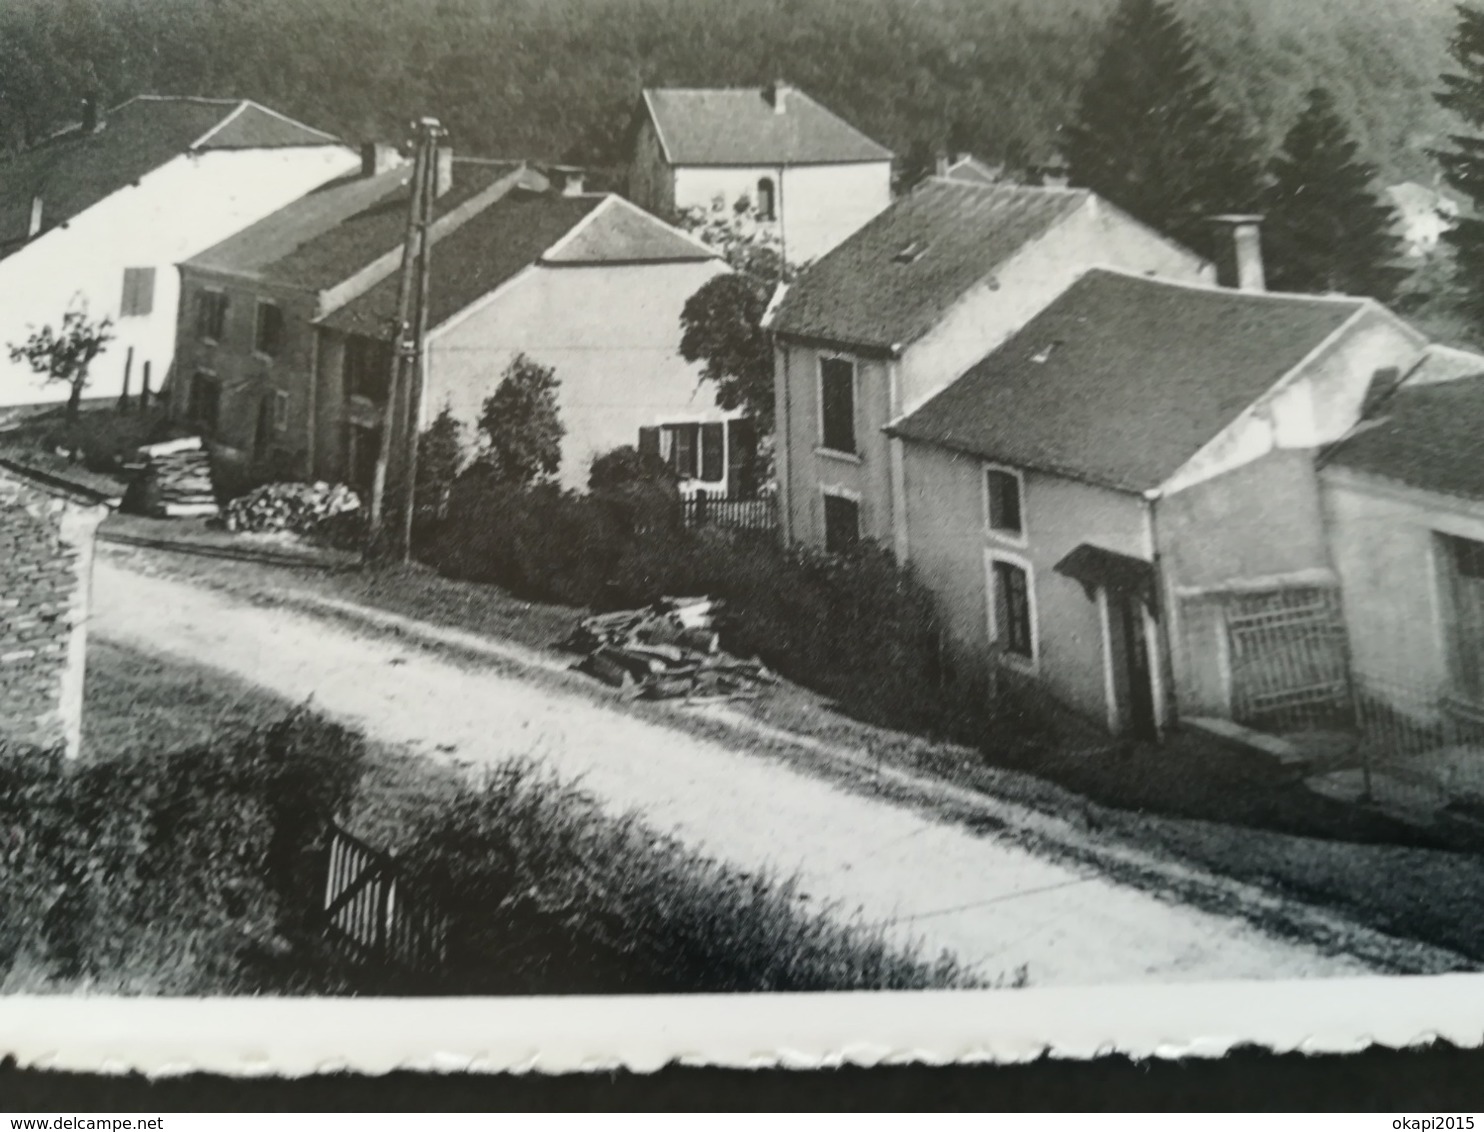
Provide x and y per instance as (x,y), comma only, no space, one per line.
(1122,379)
(1094,566)
(739,126)
(338,253)
(259,246)
(871,291)
(1426,436)
(622,232)
(473,259)
(75,170)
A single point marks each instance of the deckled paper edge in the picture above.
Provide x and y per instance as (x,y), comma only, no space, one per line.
(643,1033)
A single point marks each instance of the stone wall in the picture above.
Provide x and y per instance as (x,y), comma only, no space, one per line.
(46,559)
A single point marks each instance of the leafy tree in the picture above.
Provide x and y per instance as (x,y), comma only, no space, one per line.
(1325,229)
(1150,134)
(440,458)
(721,324)
(625,466)
(522,425)
(1463,161)
(65,355)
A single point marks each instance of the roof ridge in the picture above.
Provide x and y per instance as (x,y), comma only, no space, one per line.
(291,121)
(1234,292)
(675,229)
(237,112)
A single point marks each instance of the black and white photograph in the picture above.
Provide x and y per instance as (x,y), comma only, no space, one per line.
(514,502)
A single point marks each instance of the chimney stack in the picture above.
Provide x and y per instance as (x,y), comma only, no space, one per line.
(93,118)
(34,228)
(443,171)
(940,165)
(1239,255)
(778,96)
(377,157)
(572,183)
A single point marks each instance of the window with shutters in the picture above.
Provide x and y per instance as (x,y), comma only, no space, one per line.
(1003,503)
(1012,617)
(211,315)
(842,523)
(268,336)
(693,451)
(139,292)
(837,405)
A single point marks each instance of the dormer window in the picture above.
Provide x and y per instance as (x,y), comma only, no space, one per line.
(912,252)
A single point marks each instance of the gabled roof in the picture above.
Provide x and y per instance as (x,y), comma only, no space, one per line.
(970,169)
(1429,437)
(1446,363)
(259,246)
(517,231)
(339,251)
(739,126)
(75,170)
(890,282)
(1122,379)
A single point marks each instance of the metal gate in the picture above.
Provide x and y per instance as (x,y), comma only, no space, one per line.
(374,913)
(1288,656)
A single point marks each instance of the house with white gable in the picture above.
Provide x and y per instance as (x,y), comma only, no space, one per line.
(102,213)
(799,165)
(900,310)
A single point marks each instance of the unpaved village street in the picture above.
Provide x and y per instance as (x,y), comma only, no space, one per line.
(995,905)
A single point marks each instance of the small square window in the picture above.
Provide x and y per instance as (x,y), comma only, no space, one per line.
(1003,502)
(842,524)
(268,337)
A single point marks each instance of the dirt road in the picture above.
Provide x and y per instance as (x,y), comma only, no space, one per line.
(995,905)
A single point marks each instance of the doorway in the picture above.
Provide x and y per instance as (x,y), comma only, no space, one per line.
(1133,676)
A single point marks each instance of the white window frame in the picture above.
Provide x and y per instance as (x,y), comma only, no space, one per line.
(824,449)
(1001,534)
(217,293)
(257,326)
(1031,664)
(837,491)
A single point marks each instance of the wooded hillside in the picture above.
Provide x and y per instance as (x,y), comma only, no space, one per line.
(554,78)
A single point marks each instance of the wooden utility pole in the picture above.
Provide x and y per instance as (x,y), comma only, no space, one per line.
(418,372)
(402,346)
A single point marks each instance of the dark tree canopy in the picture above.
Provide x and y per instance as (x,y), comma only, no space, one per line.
(1325,229)
(1150,134)
(1463,160)
(522,425)
(721,328)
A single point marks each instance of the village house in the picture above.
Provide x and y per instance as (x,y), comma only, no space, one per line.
(101,214)
(47,528)
(246,338)
(801,167)
(1121,501)
(589,285)
(901,309)
(1403,498)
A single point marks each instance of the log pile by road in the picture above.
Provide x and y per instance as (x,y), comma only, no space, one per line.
(667,650)
(176,479)
(300,508)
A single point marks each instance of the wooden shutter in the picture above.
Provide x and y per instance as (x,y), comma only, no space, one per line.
(649,442)
(713,440)
(741,458)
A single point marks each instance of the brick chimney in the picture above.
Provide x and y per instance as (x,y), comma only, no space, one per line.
(940,165)
(1239,252)
(94,116)
(778,96)
(33,229)
(443,170)
(377,157)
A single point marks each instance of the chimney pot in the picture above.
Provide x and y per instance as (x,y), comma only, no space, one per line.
(940,165)
(34,228)
(778,95)
(1239,258)
(572,183)
(443,171)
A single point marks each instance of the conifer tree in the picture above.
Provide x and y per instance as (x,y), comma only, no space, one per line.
(1324,227)
(1150,135)
(1463,162)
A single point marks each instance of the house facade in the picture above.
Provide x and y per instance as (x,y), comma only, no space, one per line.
(247,341)
(902,309)
(1122,502)
(1403,500)
(101,216)
(808,173)
(589,285)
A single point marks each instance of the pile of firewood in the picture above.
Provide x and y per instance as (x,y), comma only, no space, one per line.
(301,508)
(665,651)
(175,479)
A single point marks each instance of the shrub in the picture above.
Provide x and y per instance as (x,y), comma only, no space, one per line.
(522,425)
(168,873)
(548,894)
